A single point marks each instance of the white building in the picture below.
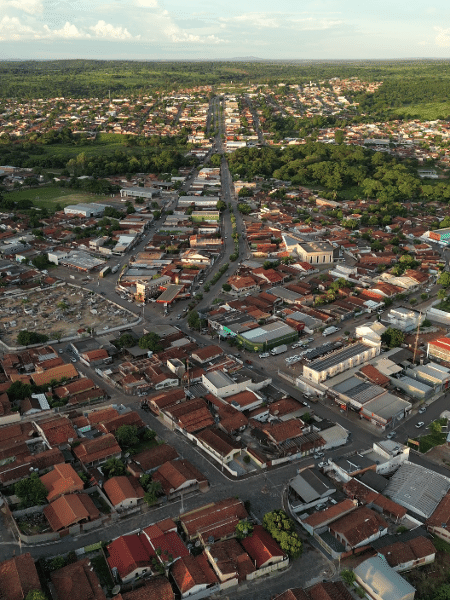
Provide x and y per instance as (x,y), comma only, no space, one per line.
(404,319)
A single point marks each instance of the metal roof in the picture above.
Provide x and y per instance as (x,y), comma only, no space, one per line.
(383,580)
(417,488)
(322,364)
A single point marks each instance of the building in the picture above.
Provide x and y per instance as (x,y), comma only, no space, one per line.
(192,575)
(404,319)
(123,492)
(222,384)
(139,192)
(418,489)
(439,349)
(94,452)
(77,580)
(130,556)
(339,360)
(63,479)
(439,522)
(309,488)
(381,581)
(18,577)
(358,528)
(262,548)
(85,210)
(314,253)
(70,510)
(267,336)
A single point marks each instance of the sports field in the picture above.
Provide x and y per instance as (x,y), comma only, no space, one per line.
(49,196)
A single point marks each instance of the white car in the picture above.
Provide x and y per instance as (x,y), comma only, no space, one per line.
(420,424)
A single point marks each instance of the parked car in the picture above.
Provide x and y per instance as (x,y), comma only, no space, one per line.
(422,409)
(391,434)
(420,424)
(322,464)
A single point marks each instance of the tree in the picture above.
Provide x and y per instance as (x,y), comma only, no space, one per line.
(281,528)
(154,489)
(126,340)
(221,205)
(127,435)
(393,337)
(194,320)
(35,595)
(150,341)
(26,338)
(31,491)
(226,287)
(444,279)
(19,390)
(441,294)
(348,576)
(435,427)
(244,529)
(245,192)
(113,467)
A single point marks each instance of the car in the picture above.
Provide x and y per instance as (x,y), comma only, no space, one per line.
(306,404)
(316,455)
(248,362)
(178,317)
(60,350)
(74,360)
(419,424)
(391,434)
(422,409)
(322,464)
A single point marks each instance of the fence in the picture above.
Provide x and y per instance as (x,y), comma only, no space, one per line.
(269,569)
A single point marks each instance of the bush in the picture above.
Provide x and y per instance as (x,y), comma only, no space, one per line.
(26,338)
(281,528)
(348,576)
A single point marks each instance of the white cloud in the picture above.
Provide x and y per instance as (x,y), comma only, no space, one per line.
(12,29)
(29,6)
(108,31)
(443,37)
(265,20)
(68,32)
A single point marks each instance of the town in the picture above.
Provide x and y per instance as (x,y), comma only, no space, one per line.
(224,370)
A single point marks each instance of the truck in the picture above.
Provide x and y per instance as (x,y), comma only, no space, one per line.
(279,350)
(115,269)
(330,330)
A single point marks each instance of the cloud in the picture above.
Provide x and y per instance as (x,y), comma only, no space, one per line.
(443,37)
(265,20)
(108,31)
(12,29)
(31,7)
(68,32)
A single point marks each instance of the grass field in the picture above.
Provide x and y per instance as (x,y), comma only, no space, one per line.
(429,111)
(49,196)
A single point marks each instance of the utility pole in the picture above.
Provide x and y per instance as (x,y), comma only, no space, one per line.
(417,338)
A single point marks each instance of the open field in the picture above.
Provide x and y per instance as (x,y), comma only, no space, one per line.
(429,111)
(49,196)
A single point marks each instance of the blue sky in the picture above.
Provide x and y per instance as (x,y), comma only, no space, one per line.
(194,29)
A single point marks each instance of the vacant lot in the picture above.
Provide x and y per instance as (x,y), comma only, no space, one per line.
(49,196)
(59,312)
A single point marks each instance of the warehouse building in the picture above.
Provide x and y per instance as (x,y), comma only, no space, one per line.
(339,361)
(440,349)
(139,192)
(85,210)
(267,336)
(432,374)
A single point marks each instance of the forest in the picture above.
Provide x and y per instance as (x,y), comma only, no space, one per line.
(405,82)
(338,169)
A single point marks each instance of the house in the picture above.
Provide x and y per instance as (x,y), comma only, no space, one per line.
(63,479)
(179,475)
(123,492)
(217,520)
(358,528)
(94,452)
(204,355)
(56,431)
(262,548)
(168,545)
(406,555)
(229,561)
(18,577)
(328,590)
(219,444)
(149,460)
(156,588)
(192,574)
(381,582)
(439,522)
(130,556)
(77,580)
(69,510)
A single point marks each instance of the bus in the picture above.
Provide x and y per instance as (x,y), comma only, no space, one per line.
(104,271)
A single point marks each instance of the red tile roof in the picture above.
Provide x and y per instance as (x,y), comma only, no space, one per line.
(176,473)
(157,588)
(225,513)
(57,373)
(58,430)
(18,576)
(128,553)
(121,488)
(261,546)
(70,509)
(155,457)
(63,479)
(374,375)
(358,526)
(191,571)
(77,581)
(97,449)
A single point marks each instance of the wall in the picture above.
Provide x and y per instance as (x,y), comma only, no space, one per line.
(270,569)
(203,593)
(439,316)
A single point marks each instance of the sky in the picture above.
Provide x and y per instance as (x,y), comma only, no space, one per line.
(223,29)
